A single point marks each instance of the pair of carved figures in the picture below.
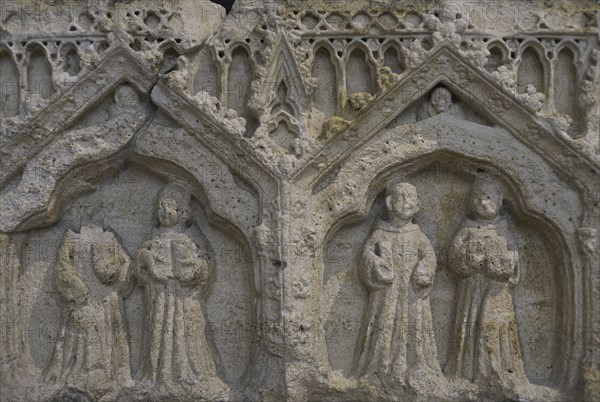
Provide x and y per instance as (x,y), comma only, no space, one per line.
(398,266)
(93,273)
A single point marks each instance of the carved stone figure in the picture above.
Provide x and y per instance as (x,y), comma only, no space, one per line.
(92,354)
(482,257)
(174,350)
(440,101)
(398,267)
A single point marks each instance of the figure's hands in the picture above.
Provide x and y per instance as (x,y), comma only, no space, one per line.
(383,273)
(422,279)
(142,266)
(422,275)
(109,261)
(501,263)
(81,292)
(514,264)
(189,267)
(73,288)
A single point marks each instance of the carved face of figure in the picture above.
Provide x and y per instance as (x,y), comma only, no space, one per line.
(441,100)
(483,202)
(173,205)
(125,95)
(402,200)
(167,212)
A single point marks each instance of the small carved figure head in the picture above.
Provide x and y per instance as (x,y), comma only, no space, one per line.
(174,205)
(126,96)
(441,100)
(484,200)
(402,200)
(530,89)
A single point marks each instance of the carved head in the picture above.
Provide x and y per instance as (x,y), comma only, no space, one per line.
(484,200)
(402,200)
(174,205)
(126,96)
(441,100)
(530,89)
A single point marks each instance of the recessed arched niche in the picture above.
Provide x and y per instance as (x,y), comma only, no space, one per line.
(125,204)
(393,59)
(359,72)
(327,90)
(443,182)
(239,82)
(39,74)
(497,56)
(207,77)
(531,71)
(9,84)
(70,59)
(565,83)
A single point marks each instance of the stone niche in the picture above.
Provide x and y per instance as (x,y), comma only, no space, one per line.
(299,200)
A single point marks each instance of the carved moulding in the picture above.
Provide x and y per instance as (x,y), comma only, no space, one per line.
(31,135)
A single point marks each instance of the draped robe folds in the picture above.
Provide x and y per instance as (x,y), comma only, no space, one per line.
(486,344)
(91,351)
(174,347)
(397,337)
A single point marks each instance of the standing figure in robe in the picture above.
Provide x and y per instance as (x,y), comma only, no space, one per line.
(91,275)
(397,345)
(482,257)
(174,350)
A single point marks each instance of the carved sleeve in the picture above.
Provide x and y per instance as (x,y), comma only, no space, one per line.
(144,263)
(67,281)
(377,262)
(513,261)
(501,262)
(458,256)
(190,268)
(424,271)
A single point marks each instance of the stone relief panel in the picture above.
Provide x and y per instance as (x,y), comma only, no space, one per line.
(299,200)
(523,290)
(118,292)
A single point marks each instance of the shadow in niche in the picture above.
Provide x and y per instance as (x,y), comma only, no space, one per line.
(443,181)
(125,204)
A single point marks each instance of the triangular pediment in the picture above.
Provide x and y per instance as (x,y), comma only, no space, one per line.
(445,67)
(212,125)
(24,141)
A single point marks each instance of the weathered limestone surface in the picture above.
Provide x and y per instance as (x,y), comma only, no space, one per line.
(299,200)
